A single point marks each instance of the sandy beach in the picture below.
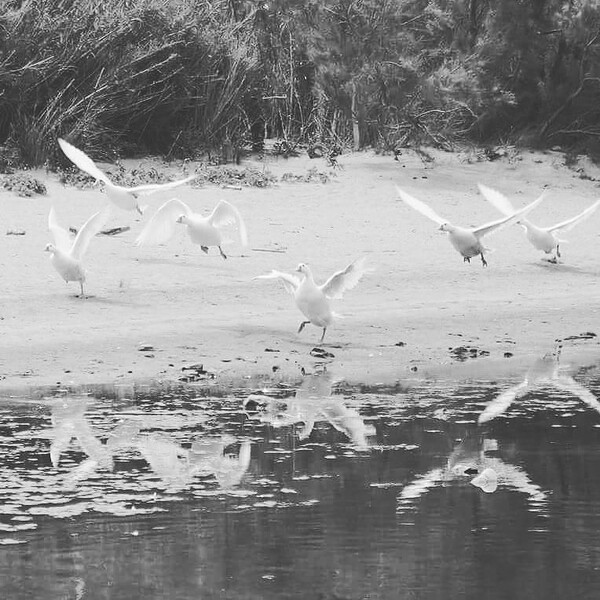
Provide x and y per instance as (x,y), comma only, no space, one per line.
(153,311)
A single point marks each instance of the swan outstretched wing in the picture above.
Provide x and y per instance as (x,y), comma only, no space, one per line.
(344,280)
(290,282)
(88,230)
(497,199)
(506,220)
(151,188)
(161,227)
(227,214)
(83,161)
(423,208)
(570,223)
(62,239)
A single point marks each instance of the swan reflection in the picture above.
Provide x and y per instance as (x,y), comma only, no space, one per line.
(69,423)
(313,402)
(544,373)
(473,459)
(172,463)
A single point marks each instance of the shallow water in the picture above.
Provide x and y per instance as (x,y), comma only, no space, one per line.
(321,490)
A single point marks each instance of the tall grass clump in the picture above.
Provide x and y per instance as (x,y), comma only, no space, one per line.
(152,76)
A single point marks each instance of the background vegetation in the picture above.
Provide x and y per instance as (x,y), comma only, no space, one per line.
(189,77)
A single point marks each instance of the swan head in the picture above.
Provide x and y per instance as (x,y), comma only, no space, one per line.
(303,268)
(447,227)
(182,219)
(50,248)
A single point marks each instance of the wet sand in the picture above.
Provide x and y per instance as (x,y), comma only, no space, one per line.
(404,318)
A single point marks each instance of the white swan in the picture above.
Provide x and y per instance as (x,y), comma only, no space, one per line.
(542,238)
(123,197)
(467,240)
(204,231)
(313,299)
(66,256)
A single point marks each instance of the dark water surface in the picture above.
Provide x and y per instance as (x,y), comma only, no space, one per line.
(319,492)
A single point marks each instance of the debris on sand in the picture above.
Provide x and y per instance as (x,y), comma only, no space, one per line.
(465,352)
(195,372)
(321,353)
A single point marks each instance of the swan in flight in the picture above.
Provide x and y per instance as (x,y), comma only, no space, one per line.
(467,240)
(66,256)
(204,231)
(313,299)
(542,238)
(123,197)
(544,373)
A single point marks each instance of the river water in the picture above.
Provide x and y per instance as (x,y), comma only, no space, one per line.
(428,489)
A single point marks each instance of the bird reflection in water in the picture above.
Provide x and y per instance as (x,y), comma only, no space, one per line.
(544,373)
(175,465)
(69,422)
(313,402)
(473,460)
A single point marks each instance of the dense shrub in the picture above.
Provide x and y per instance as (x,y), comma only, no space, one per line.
(189,77)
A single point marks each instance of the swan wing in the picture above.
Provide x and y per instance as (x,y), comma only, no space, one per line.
(423,208)
(227,214)
(506,220)
(161,227)
(62,238)
(497,200)
(290,283)
(83,161)
(151,188)
(344,280)
(88,230)
(570,223)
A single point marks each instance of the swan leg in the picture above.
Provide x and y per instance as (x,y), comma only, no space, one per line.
(483,261)
(204,249)
(222,253)
(557,251)
(466,259)
(81,286)
(303,325)
(323,335)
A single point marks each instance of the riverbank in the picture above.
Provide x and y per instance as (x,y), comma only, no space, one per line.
(154,312)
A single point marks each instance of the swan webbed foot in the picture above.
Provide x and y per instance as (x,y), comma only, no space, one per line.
(303,325)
